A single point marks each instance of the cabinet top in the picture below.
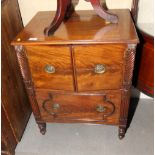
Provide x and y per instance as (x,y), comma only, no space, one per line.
(83,27)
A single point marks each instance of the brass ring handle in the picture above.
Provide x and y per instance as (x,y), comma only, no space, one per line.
(55,107)
(49,69)
(100,108)
(100,68)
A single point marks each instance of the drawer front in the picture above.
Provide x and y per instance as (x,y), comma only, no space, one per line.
(99,66)
(51,67)
(103,108)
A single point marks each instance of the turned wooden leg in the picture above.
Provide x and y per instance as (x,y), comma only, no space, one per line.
(122,131)
(42,127)
(62,6)
(109,17)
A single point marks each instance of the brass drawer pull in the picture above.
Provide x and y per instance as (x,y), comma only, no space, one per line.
(100,68)
(56,106)
(100,108)
(49,69)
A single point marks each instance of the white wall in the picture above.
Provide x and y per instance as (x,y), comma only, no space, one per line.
(146,11)
(146,16)
(30,7)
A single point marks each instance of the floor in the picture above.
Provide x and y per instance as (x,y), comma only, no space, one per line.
(81,139)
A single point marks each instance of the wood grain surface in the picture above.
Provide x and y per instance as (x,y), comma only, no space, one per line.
(14,97)
(79,107)
(8,139)
(14,101)
(57,56)
(83,27)
(87,57)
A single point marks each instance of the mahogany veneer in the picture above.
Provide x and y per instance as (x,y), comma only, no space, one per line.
(15,107)
(83,72)
(145,80)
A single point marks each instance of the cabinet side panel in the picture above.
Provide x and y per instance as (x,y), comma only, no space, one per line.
(8,140)
(14,96)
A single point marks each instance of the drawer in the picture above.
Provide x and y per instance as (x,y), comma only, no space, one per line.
(99,67)
(103,108)
(51,67)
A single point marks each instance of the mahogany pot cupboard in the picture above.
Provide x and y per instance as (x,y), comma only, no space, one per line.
(82,73)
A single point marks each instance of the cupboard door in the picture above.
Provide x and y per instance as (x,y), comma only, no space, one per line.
(99,67)
(51,67)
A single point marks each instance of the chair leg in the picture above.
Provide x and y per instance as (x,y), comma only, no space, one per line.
(109,17)
(62,6)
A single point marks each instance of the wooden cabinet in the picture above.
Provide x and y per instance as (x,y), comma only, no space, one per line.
(82,73)
(15,105)
(145,64)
